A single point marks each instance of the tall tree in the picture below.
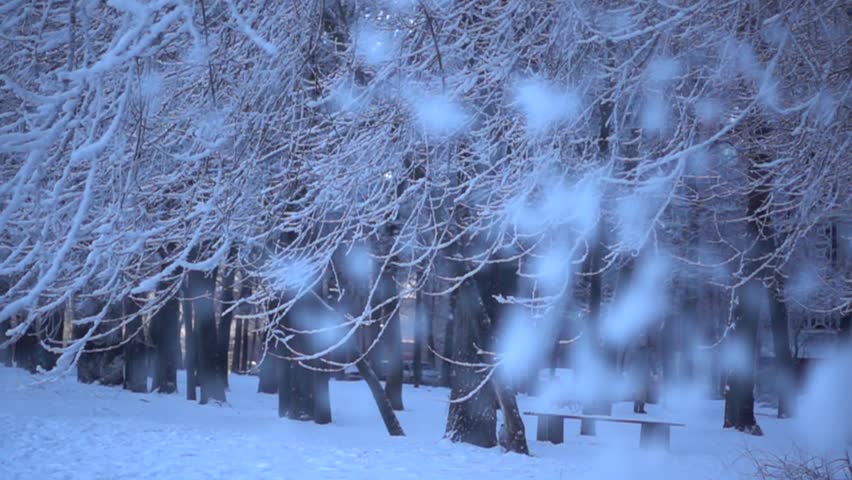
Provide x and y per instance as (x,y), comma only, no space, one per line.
(223,334)
(135,354)
(393,341)
(102,358)
(472,417)
(165,335)
(209,376)
(500,280)
(190,338)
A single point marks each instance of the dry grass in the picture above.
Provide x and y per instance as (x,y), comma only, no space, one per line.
(799,465)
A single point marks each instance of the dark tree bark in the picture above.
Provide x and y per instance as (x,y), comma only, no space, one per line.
(367,335)
(322,398)
(26,351)
(283,387)
(165,334)
(44,331)
(739,397)
(386,356)
(52,336)
(447,352)
(236,365)
(102,361)
(385,409)
(419,332)
(247,346)
(210,380)
(494,280)
(268,377)
(355,297)
(135,352)
(429,304)
(473,420)
(301,393)
(741,386)
(694,320)
(602,404)
(300,383)
(760,229)
(845,323)
(393,384)
(784,364)
(516,436)
(6,352)
(224,332)
(239,361)
(669,345)
(29,353)
(191,357)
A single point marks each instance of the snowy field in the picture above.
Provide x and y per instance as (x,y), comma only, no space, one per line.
(68,430)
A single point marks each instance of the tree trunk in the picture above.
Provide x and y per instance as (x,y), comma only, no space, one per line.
(246,346)
(165,334)
(268,377)
(501,279)
(224,332)
(322,398)
(516,436)
(419,331)
(236,366)
(430,329)
(241,330)
(473,420)
(759,227)
(283,386)
(104,363)
(25,354)
(446,367)
(6,352)
(300,379)
(601,403)
(381,399)
(739,397)
(135,354)
(393,384)
(29,353)
(784,365)
(210,380)
(52,331)
(301,383)
(191,357)
(302,393)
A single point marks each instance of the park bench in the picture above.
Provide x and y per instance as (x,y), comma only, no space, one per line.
(654,433)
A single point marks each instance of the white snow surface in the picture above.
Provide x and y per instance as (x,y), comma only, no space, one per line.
(63,429)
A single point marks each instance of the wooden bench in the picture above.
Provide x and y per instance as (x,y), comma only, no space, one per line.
(653,434)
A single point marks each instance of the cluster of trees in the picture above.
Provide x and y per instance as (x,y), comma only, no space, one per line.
(600,168)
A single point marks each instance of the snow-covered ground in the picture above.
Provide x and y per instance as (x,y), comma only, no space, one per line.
(63,429)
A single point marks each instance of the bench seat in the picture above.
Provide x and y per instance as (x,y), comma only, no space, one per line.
(653,433)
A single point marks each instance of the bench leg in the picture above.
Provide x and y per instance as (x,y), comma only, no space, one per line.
(550,429)
(654,436)
(542,434)
(587,427)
